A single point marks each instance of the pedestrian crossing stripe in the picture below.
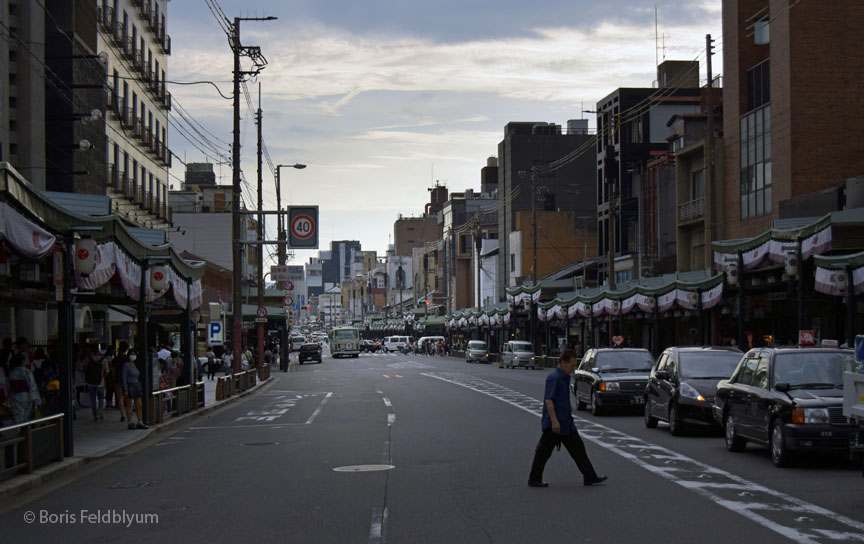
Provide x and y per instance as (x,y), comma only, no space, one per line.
(388,376)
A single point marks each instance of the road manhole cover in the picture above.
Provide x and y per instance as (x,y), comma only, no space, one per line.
(363,468)
(261,443)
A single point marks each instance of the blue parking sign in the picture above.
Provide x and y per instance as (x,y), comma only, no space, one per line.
(215,333)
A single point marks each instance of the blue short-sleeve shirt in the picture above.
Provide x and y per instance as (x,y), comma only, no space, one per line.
(558,391)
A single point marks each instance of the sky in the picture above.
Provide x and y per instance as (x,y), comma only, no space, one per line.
(381,99)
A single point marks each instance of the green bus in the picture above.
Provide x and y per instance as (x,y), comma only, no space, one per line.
(345,341)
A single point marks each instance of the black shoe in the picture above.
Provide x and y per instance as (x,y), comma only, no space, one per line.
(535,483)
(142,426)
(597,480)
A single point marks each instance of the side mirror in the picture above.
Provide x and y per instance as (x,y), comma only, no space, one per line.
(783,387)
(661,375)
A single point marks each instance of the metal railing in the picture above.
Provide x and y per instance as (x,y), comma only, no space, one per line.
(175,402)
(105,15)
(35,444)
(691,211)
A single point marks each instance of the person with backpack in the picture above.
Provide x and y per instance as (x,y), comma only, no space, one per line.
(95,370)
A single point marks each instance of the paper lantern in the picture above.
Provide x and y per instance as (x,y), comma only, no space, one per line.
(85,255)
(159,278)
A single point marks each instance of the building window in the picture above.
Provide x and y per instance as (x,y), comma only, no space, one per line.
(697,184)
(512,262)
(622,276)
(761,32)
(755,168)
(759,85)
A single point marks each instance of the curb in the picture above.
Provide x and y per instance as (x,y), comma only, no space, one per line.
(26,482)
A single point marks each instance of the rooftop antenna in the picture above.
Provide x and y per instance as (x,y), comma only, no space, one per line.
(656,39)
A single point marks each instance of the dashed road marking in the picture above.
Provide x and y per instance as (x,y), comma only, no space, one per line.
(784,514)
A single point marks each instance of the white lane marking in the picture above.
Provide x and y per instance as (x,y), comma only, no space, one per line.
(376,531)
(261,426)
(387,402)
(691,473)
(391,419)
(318,410)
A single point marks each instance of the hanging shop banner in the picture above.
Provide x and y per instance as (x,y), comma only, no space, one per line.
(712,297)
(817,244)
(629,303)
(507,318)
(536,296)
(25,236)
(826,281)
(599,308)
(666,302)
(541,314)
(646,303)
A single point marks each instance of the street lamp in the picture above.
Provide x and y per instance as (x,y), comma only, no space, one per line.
(281,231)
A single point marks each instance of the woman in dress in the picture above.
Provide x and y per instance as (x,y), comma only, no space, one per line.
(132,390)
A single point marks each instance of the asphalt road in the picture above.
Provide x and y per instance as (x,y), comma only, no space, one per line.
(413,449)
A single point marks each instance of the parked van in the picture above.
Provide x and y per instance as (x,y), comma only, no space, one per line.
(297,341)
(395,343)
(518,353)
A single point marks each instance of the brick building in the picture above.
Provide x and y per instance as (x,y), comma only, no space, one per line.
(791,102)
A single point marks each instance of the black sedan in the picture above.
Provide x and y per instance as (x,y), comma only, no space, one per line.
(682,385)
(609,377)
(310,351)
(789,399)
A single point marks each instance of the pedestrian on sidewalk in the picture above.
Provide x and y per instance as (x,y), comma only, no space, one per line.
(558,425)
(211,363)
(117,370)
(24,394)
(132,389)
(95,370)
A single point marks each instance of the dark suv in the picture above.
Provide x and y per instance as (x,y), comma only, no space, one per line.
(789,399)
(310,351)
(682,385)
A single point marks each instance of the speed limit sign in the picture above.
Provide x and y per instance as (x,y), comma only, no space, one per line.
(303,227)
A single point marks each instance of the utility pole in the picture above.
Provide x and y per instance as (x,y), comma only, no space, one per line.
(611,177)
(710,233)
(237,254)
(260,249)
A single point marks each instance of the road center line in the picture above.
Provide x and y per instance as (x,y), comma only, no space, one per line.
(746,498)
(387,402)
(318,410)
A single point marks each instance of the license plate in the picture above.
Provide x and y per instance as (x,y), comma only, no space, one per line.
(637,400)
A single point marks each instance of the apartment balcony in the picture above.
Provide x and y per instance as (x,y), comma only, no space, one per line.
(129,48)
(147,139)
(146,11)
(129,188)
(118,178)
(691,212)
(128,118)
(138,128)
(105,14)
(152,22)
(166,44)
(138,62)
(165,102)
(114,103)
(119,34)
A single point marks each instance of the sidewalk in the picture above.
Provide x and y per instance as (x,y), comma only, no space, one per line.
(95,440)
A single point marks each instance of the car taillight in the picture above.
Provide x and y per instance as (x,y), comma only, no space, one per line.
(602,386)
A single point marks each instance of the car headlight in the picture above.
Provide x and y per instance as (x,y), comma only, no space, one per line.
(690,392)
(610,386)
(810,415)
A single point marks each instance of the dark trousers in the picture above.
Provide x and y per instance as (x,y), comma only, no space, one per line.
(575,447)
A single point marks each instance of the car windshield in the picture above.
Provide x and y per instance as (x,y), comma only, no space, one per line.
(623,361)
(811,370)
(523,346)
(345,334)
(708,364)
(476,345)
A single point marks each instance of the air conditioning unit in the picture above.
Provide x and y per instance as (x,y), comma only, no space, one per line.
(841,281)
(791,263)
(732,273)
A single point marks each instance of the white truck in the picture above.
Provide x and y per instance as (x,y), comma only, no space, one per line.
(853,408)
